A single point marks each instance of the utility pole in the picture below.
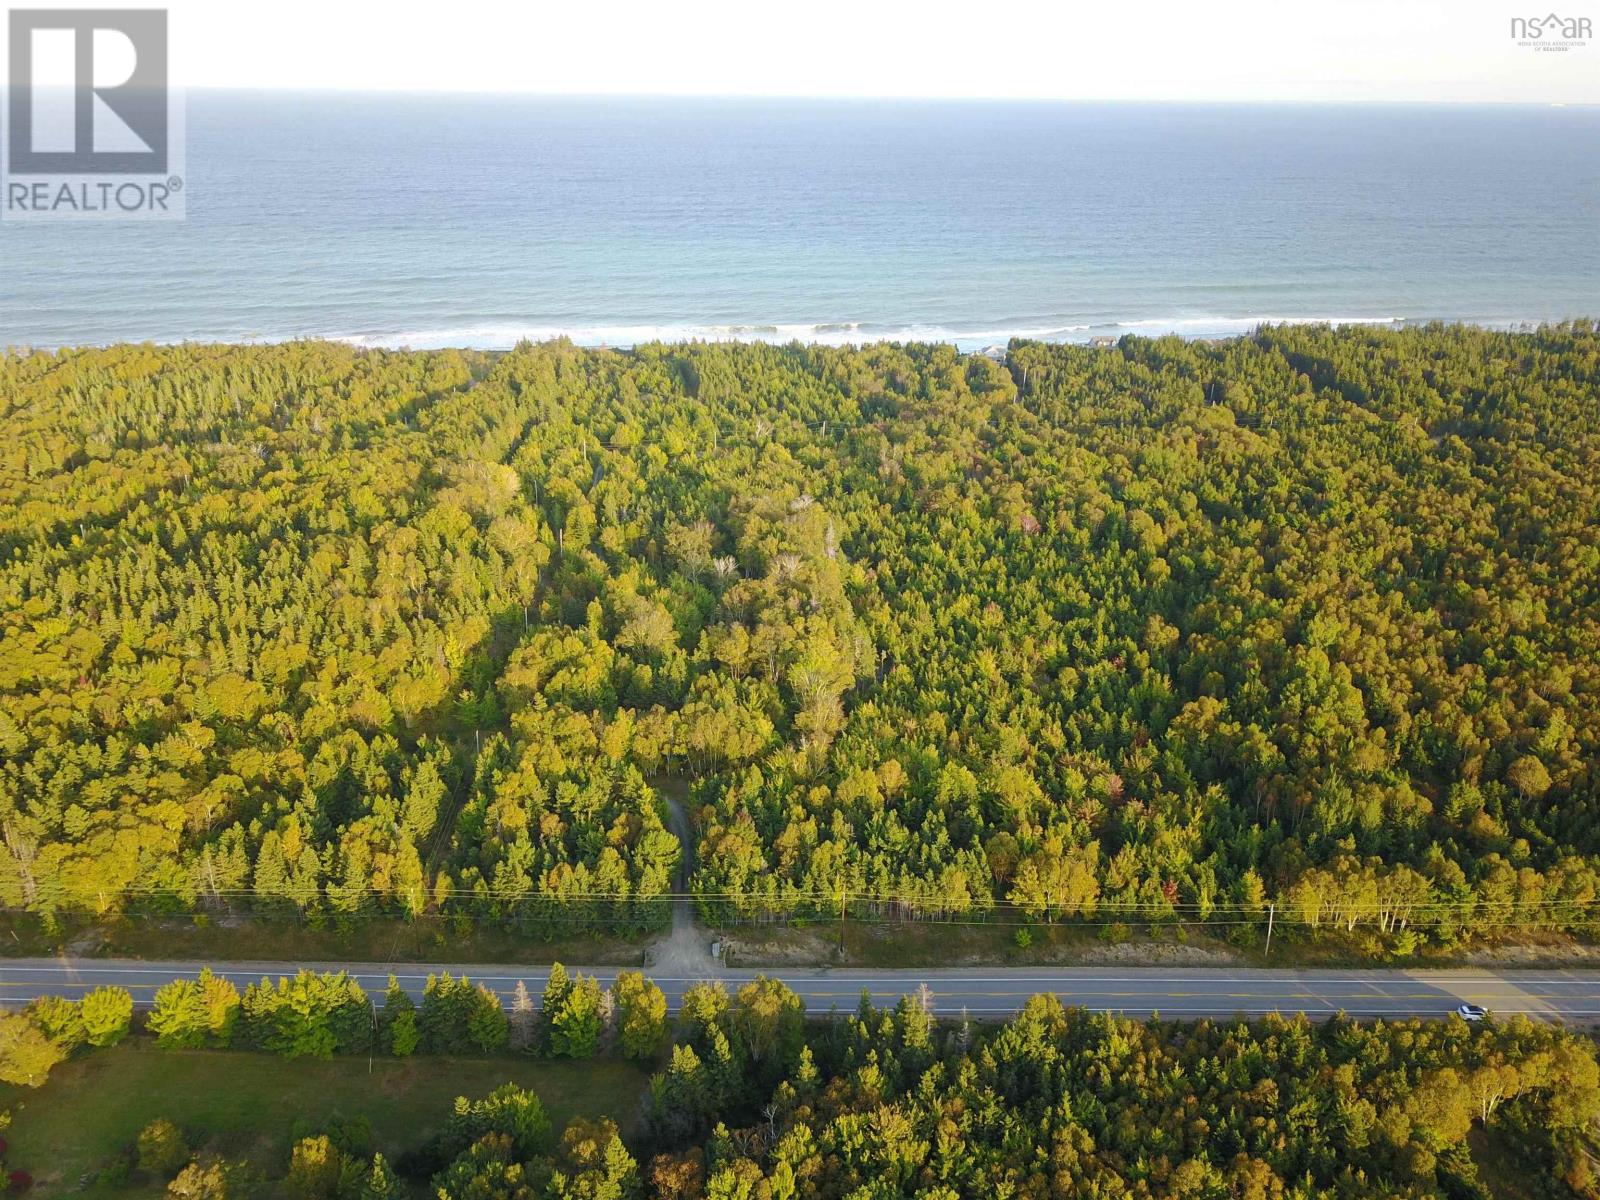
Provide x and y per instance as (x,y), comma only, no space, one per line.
(1272,910)
(841,919)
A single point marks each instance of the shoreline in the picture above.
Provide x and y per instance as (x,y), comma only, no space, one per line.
(839,335)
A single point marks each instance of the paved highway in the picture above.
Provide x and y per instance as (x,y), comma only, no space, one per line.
(982,992)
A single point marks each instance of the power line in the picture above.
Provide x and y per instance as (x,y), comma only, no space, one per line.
(555,908)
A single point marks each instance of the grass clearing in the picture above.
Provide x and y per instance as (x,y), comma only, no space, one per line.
(262,938)
(908,945)
(884,944)
(247,1105)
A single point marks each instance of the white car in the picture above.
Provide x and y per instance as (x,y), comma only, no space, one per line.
(1472,1012)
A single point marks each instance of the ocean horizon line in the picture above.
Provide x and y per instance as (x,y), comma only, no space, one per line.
(1170,102)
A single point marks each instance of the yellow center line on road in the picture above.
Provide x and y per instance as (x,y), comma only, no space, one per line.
(132,987)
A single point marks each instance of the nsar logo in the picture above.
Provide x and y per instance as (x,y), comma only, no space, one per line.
(1551,32)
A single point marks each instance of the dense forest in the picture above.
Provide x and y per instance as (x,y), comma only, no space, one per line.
(1158,630)
(754,1101)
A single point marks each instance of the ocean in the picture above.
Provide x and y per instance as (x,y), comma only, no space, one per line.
(449,220)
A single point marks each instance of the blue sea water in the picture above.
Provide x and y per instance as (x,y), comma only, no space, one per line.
(477,220)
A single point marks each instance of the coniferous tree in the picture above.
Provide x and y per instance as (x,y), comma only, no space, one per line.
(523,1019)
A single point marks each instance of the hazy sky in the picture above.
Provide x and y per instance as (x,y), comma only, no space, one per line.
(1261,50)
